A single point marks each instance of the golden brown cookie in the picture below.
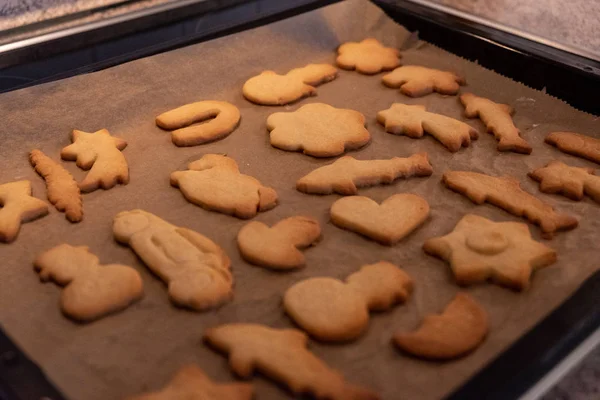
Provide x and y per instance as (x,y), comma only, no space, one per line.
(272,89)
(417,81)
(479,249)
(414,122)
(91,290)
(318,130)
(576,144)
(572,182)
(63,191)
(102,153)
(506,193)
(281,354)
(457,331)
(195,269)
(347,174)
(223,119)
(214,182)
(497,119)
(367,57)
(388,223)
(278,247)
(333,311)
(18,206)
(191,383)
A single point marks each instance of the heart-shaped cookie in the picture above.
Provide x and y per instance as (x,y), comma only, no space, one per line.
(396,217)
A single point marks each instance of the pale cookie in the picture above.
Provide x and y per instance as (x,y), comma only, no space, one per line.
(416,81)
(367,57)
(191,383)
(195,269)
(347,174)
(102,153)
(497,119)
(63,191)
(576,144)
(572,182)
(457,331)
(17,206)
(388,223)
(506,193)
(215,183)
(414,122)
(281,354)
(278,247)
(479,249)
(318,130)
(91,290)
(333,311)
(224,118)
(272,89)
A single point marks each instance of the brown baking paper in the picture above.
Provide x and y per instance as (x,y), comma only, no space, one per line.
(140,348)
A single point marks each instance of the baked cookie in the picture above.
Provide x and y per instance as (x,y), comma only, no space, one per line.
(318,130)
(63,191)
(281,354)
(278,247)
(367,57)
(18,206)
(572,182)
(497,119)
(416,81)
(191,383)
(272,89)
(457,331)
(195,269)
(414,122)
(388,223)
(102,153)
(576,144)
(333,311)
(347,174)
(91,290)
(479,249)
(506,193)
(215,183)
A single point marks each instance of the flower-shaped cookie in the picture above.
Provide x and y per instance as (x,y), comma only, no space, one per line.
(479,249)
(319,130)
(367,57)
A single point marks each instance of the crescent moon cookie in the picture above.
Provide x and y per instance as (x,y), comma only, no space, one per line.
(416,81)
(272,89)
(318,130)
(281,355)
(414,122)
(572,182)
(388,222)
(91,290)
(18,206)
(334,311)
(195,269)
(223,119)
(498,121)
(505,192)
(347,174)
(459,330)
(278,247)
(367,57)
(214,182)
(479,249)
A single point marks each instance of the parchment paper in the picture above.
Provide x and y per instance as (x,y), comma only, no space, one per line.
(140,348)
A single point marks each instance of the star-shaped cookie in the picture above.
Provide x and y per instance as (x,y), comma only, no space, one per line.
(572,182)
(319,130)
(479,249)
(17,205)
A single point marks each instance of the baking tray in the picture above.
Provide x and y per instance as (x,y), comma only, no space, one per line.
(535,353)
